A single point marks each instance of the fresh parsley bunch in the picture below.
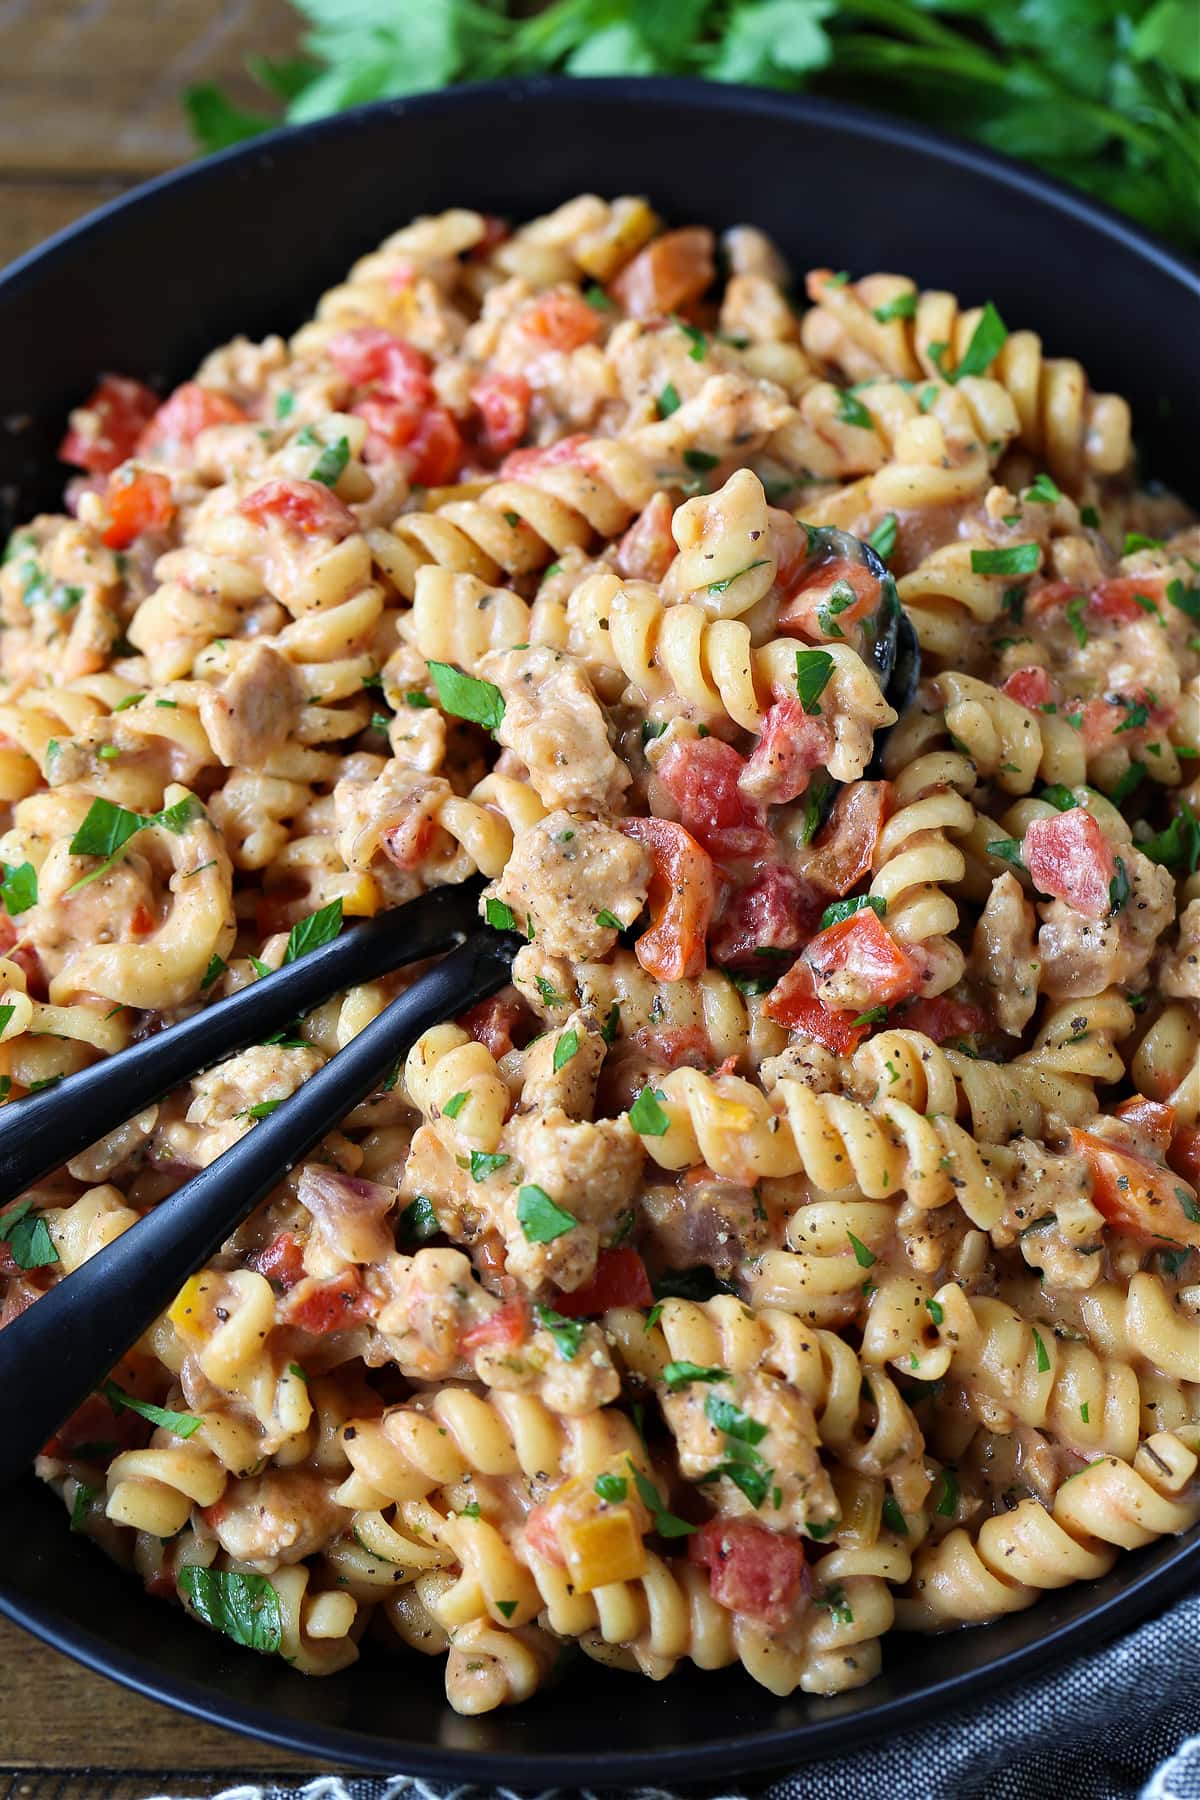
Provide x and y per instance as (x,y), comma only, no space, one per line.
(1104,93)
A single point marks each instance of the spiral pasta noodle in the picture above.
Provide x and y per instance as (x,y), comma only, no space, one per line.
(806,1240)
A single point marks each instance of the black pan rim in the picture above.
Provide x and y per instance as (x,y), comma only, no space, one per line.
(859,121)
(1139,1590)
(717,1756)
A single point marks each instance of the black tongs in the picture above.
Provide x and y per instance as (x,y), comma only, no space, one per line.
(84,1324)
(80,1328)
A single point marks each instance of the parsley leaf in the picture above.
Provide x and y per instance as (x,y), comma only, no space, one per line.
(467,697)
(318,928)
(28,1237)
(541,1218)
(813,671)
(567,1333)
(564,1049)
(1017,559)
(182,1424)
(19,888)
(846,909)
(665,1523)
(647,1116)
(241,1606)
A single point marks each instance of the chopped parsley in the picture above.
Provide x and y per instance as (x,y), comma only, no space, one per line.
(1178,847)
(483,1163)
(665,1523)
(612,1488)
(240,1606)
(851,411)
(647,1116)
(467,697)
(499,916)
(883,539)
(668,401)
(19,888)
(1119,888)
(182,1424)
(862,1256)
(846,909)
(565,1048)
(1043,490)
(679,1374)
(900,306)
(721,587)
(813,671)
(318,928)
(1017,559)
(567,1333)
(331,463)
(28,1237)
(541,1218)
(418,1221)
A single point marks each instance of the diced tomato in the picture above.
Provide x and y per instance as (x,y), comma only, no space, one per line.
(391,425)
(1184,1153)
(1139,1196)
(507,1327)
(1118,598)
(408,843)
(104,432)
(322,1306)
(281,1261)
(1151,1120)
(773,910)
(368,356)
(702,775)
(305,506)
(790,746)
(8,933)
(620,1279)
(807,612)
(1114,600)
(647,550)
(669,273)
(561,320)
(791,1002)
(675,1046)
(541,1536)
(181,418)
(1108,724)
(491,1023)
(544,456)
(503,400)
(138,501)
(141,920)
(843,850)
(1031,687)
(436,448)
(863,947)
(753,1571)
(8,1262)
(682,894)
(1069,857)
(942,1019)
(162,1584)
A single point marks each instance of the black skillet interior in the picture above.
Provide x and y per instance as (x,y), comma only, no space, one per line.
(246,243)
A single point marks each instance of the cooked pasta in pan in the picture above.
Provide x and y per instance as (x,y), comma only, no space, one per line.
(807,1242)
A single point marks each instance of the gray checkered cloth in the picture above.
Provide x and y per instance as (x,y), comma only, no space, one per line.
(1120,1724)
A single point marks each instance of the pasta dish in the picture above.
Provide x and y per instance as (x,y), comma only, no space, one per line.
(807,1242)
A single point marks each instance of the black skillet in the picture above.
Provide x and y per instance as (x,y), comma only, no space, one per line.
(246,243)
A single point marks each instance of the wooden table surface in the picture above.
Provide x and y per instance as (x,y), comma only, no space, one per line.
(89,106)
